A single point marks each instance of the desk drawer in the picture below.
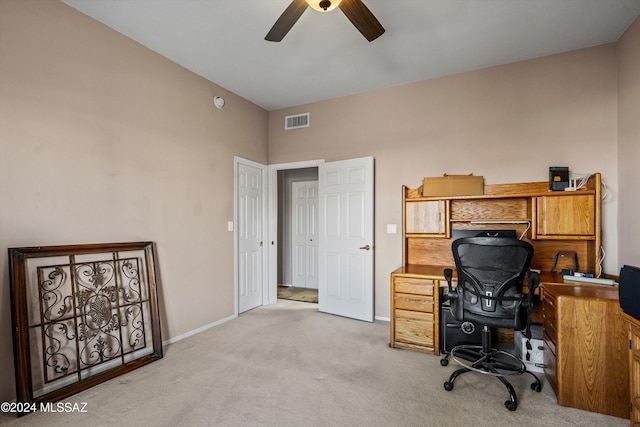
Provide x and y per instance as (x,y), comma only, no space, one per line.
(548,342)
(413,302)
(551,334)
(549,308)
(550,371)
(410,285)
(549,321)
(414,328)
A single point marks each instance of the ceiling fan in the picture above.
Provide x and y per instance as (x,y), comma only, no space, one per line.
(359,15)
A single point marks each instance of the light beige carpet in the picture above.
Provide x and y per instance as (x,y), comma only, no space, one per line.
(289,365)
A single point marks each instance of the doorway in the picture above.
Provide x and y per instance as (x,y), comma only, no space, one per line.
(345,242)
(280,177)
(297,228)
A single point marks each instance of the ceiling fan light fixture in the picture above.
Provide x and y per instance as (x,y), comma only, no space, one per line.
(323,5)
(355,10)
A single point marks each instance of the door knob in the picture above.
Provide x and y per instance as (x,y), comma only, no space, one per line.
(366,248)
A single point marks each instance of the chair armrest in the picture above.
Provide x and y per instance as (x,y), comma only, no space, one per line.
(533,281)
(448,275)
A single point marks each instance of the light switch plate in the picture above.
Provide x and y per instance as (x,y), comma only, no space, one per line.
(230,226)
(392,229)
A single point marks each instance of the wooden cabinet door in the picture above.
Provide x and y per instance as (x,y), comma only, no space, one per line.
(427,217)
(634,371)
(566,215)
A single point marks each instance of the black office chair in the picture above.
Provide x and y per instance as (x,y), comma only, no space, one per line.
(491,271)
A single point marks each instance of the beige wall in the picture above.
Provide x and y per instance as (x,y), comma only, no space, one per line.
(629,145)
(508,123)
(102,140)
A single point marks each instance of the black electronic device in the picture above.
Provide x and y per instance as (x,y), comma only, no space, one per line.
(558,178)
(453,332)
(629,290)
(458,234)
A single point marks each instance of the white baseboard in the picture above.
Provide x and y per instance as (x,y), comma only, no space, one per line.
(198,330)
(384,319)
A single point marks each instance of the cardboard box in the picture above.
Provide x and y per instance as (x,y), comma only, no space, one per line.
(536,358)
(453,185)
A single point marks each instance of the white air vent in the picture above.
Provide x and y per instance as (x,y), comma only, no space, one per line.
(297,121)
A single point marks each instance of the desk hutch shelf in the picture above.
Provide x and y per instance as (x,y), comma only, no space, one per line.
(551,221)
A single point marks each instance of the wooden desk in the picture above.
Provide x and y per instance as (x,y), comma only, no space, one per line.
(633,328)
(586,347)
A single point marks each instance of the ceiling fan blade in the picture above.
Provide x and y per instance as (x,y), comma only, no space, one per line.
(286,21)
(362,18)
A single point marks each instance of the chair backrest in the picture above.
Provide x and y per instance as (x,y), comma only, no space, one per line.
(490,272)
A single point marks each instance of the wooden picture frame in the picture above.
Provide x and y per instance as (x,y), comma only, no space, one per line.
(81,315)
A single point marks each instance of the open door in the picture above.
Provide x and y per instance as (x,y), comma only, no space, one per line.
(250,216)
(345,273)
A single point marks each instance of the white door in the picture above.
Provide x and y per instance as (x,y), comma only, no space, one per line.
(346,244)
(304,223)
(250,237)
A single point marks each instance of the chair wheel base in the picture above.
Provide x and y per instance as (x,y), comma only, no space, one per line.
(444,361)
(495,363)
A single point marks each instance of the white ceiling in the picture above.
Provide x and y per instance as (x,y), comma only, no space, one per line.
(324,56)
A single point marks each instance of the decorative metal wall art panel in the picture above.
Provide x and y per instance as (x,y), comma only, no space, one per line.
(81,314)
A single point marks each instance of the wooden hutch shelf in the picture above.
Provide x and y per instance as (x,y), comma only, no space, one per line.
(552,221)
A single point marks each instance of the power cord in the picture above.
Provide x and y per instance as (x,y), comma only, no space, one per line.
(601,260)
(580,180)
(524,233)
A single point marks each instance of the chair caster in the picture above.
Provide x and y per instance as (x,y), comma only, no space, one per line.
(444,361)
(512,406)
(448,386)
(536,386)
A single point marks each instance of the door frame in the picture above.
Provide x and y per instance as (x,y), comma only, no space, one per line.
(272,228)
(265,253)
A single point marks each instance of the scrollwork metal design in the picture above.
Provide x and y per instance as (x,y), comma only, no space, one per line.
(56,359)
(54,304)
(91,313)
